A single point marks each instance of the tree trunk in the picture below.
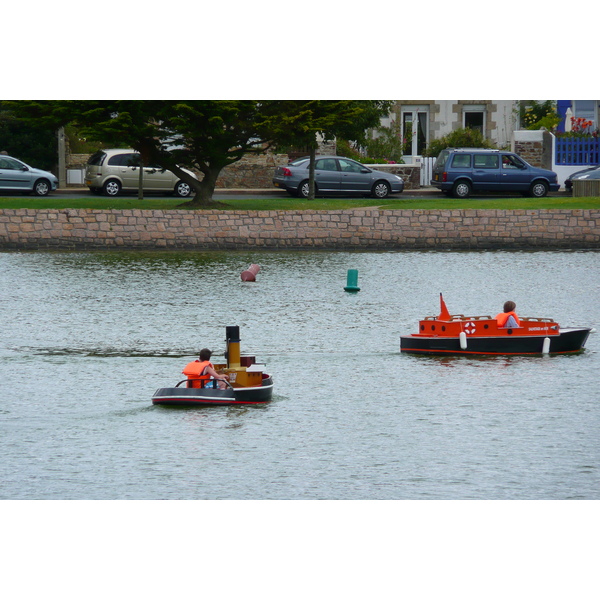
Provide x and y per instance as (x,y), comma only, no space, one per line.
(204,189)
(311,174)
(141,180)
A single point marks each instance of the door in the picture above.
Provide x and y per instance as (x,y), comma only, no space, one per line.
(355,177)
(415,129)
(327,174)
(124,166)
(14,175)
(514,174)
(486,172)
(157,179)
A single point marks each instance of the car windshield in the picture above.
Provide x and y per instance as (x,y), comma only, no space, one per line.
(97,159)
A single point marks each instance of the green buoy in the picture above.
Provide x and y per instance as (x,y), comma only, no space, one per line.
(352,281)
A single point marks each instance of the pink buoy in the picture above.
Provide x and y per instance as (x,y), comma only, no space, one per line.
(250,273)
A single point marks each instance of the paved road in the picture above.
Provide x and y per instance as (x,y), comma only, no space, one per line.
(233,194)
(269,193)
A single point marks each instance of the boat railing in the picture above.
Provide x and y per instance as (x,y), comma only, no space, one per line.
(460,318)
(207,387)
(486,317)
(537,319)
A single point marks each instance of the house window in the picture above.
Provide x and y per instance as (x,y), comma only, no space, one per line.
(474,118)
(586,109)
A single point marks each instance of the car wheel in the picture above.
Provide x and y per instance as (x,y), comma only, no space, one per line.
(538,189)
(461,189)
(41,187)
(111,188)
(381,190)
(304,189)
(183,189)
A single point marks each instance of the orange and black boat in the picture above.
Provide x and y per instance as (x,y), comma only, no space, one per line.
(247,384)
(460,334)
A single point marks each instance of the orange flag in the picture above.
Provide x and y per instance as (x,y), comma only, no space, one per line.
(444,314)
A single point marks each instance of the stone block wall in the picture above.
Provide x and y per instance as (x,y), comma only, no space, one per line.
(252,172)
(410,173)
(368,229)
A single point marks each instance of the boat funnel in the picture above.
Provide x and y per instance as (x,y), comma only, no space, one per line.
(232,335)
(444,313)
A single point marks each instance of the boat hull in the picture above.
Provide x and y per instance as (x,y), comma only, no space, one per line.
(180,396)
(567,341)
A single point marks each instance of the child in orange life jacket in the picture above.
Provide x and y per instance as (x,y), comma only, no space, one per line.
(201,371)
(508,318)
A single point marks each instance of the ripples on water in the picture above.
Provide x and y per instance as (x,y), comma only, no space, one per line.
(88,337)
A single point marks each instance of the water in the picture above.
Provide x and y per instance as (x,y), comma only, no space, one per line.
(86,338)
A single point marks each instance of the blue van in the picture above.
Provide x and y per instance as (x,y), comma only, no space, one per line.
(460,171)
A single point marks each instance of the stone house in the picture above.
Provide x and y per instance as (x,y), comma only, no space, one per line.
(425,120)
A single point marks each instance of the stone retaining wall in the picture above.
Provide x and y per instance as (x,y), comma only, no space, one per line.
(28,229)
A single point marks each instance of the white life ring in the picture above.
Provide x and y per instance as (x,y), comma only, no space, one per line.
(470,328)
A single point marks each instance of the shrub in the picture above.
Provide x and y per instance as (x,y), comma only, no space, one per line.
(388,145)
(535,115)
(385,149)
(459,138)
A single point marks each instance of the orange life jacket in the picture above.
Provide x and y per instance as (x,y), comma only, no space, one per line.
(503,317)
(195,372)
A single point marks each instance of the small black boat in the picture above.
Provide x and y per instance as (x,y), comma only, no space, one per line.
(248,383)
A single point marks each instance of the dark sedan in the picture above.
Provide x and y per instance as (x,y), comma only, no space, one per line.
(589,173)
(336,175)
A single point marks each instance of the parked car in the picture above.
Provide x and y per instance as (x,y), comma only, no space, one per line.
(461,171)
(111,171)
(589,173)
(336,175)
(19,176)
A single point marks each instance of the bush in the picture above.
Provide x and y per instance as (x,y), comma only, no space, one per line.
(385,149)
(388,146)
(459,138)
(535,115)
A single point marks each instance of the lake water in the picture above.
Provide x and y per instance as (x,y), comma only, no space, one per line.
(86,338)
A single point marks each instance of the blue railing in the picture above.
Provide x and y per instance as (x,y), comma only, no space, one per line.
(577,151)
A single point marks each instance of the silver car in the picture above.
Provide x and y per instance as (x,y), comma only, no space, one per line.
(336,175)
(17,176)
(111,171)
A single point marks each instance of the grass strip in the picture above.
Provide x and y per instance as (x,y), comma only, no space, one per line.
(395,203)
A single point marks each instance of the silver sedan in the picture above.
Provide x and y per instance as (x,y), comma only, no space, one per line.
(336,175)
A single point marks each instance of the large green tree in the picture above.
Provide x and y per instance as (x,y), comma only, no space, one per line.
(303,122)
(33,143)
(205,135)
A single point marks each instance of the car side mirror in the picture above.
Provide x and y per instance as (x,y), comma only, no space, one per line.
(365,170)
(24,168)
